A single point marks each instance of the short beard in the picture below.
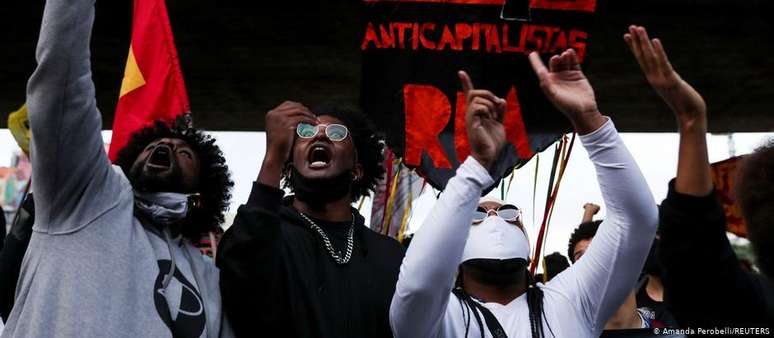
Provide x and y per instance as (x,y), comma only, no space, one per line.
(318,192)
(173,182)
(498,273)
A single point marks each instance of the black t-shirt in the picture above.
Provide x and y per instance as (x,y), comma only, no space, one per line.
(661,315)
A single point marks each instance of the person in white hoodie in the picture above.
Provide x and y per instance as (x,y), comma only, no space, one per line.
(494,295)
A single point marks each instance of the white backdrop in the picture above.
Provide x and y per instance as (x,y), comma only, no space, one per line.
(656,154)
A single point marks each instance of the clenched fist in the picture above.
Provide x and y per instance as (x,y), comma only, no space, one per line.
(281,125)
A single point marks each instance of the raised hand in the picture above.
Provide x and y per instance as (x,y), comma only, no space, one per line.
(483,122)
(568,89)
(693,168)
(281,125)
(589,210)
(688,106)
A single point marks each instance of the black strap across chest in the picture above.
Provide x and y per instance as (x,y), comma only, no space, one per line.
(495,329)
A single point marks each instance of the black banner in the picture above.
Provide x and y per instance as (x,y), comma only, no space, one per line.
(412,50)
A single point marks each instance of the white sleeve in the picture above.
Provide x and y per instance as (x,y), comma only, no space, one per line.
(427,273)
(600,281)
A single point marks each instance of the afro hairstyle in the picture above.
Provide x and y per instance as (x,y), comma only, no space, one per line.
(214,179)
(755,193)
(555,263)
(585,230)
(369,146)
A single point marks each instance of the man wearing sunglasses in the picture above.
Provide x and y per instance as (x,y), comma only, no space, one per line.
(489,206)
(495,296)
(307,266)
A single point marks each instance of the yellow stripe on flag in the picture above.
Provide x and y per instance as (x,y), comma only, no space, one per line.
(19,125)
(133,78)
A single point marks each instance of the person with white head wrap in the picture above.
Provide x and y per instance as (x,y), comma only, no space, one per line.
(495,238)
(578,301)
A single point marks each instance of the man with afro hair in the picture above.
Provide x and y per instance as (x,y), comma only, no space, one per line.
(306,265)
(110,254)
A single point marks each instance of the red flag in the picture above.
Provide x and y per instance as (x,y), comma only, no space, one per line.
(723,174)
(153,86)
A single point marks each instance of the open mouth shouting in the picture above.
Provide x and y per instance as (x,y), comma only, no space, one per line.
(160,159)
(319,156)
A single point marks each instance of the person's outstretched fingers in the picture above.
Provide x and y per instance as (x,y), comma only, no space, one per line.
(636,47)
(567,58)
(647,48)
(662,56)
(571,60)
(537,65)
(555,63)
(467,84)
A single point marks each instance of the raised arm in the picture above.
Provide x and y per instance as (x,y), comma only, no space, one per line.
(249,254)
(589,210)
(600,282)
(693,170)
(695,253)
(427,273)
(71,168)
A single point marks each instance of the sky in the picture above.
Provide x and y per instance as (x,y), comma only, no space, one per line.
(655,153)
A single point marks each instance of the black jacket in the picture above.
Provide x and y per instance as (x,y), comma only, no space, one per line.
(704,285)
(12,254)
(278,280)
(2,229)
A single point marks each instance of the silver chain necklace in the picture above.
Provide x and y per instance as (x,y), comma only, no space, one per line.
(327,242)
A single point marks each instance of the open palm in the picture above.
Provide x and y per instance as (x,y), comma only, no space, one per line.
(565,85)
(686,103)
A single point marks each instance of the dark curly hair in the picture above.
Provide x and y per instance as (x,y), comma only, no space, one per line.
(369,146)
(585,230)
(755,193)
(214,179)
(555,263)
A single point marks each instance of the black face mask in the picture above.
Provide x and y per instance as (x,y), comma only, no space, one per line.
(320,191)
(496,272)
(652,267)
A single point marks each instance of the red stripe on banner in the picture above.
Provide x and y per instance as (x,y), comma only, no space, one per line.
(427,113)
(461,144)
(456,2)
(562,5)
(565,5)
(514,126)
